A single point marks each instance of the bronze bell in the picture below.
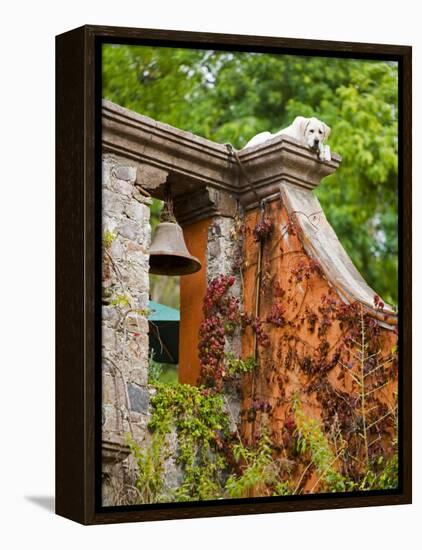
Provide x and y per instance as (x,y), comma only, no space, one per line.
(168,252)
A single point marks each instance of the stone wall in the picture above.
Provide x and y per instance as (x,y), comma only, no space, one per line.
(125,348)
(126,240)
(224,254)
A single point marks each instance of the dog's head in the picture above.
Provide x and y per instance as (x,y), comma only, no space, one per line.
(313,131)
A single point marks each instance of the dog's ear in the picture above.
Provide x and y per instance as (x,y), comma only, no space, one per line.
(300,123)
(327,130)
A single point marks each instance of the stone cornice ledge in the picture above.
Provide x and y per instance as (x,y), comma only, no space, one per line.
(203,163)
(148,142)
(280,160)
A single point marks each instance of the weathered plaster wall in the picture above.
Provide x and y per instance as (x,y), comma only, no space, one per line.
(192,287)
(301,357)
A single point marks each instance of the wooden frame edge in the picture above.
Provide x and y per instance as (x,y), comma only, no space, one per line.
(70,201)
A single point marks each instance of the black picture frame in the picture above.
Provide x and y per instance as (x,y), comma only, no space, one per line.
(78,251)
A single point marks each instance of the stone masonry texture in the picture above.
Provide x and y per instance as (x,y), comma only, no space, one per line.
(126,396)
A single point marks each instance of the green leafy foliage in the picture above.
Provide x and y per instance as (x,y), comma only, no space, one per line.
(198,418)
(150,479)
(155,369)
(120,300)
(236,365)
(169,374)
(202,429)
(311,440)
(384,474)
(199,421)
(230,96)
(381,474)
(258,468)
(108,238)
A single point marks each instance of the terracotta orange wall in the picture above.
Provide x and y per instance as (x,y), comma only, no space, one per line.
(275,382)
(192,291)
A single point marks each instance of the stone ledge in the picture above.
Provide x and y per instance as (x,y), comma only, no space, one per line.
(190,163)
(114,449)
(204,203)
(280,160)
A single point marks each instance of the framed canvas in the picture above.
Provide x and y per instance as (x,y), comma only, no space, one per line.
(233,274)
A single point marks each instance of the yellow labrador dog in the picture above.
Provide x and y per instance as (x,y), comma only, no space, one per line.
(308,131)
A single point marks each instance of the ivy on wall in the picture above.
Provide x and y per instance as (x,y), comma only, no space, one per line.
(352,446)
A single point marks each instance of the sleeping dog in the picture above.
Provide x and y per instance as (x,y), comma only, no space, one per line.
(308,131)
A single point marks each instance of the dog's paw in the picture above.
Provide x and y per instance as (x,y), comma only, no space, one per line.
(325,153)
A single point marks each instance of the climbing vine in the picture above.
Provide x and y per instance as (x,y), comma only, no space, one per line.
(221,313)
(197,418)
(312,442)
(349,444)
(236,365)
(206,451)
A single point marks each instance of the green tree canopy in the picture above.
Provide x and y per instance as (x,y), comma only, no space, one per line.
(231,96)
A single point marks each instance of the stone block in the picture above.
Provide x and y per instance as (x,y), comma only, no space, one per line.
(173,473)
(137,277)
(150,177)
(126,173)
(140,197)
(111,419)
(108,337)
(139,375)
(116,248)
(113,202)
(139,432)
(107,166)
(138,252)
(137,325)
(107,367)
(138,397)
(123,187)
(137,347)
(137,211)
(214,249)
(130,230)
(111,315)
(108,389)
